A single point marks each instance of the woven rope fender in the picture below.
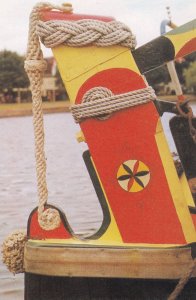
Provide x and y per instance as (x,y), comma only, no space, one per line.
(85,32)
(100,101)
(13,251)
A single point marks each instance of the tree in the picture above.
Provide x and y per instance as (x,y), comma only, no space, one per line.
(12,73)
(161,75)
(190,77)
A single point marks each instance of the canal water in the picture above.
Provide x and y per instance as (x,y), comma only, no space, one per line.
(68,182)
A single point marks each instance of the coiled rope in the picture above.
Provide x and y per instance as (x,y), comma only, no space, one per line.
(100,101)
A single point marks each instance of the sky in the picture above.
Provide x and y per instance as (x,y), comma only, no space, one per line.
(142,16)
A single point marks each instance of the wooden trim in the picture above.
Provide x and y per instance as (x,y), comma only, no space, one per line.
(170,263)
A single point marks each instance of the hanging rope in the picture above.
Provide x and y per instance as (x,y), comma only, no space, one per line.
(100,101)
(183,281)
(35,66)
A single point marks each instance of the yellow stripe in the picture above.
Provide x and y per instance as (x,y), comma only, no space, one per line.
(84,243)
(175,187)
(112,234)
(186,190)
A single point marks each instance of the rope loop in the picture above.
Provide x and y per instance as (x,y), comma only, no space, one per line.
(96,94)
(35,65)
(49,219)
(104,102)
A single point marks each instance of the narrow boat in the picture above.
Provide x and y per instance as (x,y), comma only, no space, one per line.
(149,215)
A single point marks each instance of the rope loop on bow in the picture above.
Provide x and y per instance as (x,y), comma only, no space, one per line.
(100,101)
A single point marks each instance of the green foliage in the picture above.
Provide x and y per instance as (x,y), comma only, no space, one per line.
(190,76)
(12,73)
(161,75)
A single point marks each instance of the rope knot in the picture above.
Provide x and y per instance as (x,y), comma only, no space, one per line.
(35,65)
(105,102)
(96,93)
(13,251)
(49,219)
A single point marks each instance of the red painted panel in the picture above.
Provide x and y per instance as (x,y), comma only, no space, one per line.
(194,219)
(187,48)
(57,15)
(148,216)
(36,232)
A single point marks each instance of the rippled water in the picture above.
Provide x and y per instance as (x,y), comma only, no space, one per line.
(68,182)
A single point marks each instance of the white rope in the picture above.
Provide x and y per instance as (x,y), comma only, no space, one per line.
(85,32)
(101,102)
(35,65)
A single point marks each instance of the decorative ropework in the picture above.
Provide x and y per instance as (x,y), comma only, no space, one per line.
(85,32)
(100,101)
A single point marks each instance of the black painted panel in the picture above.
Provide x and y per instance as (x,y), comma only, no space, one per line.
(154,54)
(185,145)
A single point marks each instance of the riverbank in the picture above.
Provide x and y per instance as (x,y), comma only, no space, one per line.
(25,109)
(173,98)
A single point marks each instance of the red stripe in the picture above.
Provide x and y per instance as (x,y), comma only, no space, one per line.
(58,15)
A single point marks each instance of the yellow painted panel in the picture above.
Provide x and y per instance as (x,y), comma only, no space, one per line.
(75,69)
(179,40)
(78,60)
(175,187)
(112,234)
(84,243)
(187,191)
